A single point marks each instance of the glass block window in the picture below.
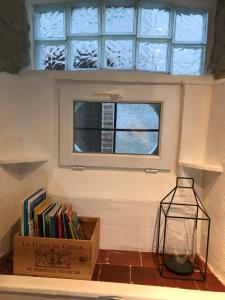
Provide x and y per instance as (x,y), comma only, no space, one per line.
(122,35)
(122,128)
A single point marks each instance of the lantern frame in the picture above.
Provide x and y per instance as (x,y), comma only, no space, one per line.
(199,263)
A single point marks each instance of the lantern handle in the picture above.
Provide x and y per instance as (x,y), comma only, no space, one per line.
(185,178)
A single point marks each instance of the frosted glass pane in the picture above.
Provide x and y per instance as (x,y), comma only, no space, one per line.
(137,142)
(119,19)
(84,20)
(84,54)
(51,57)
(154,22)
(152,57)
(118,53)
(139,116)
(187,61)
(50,24)
(189,27)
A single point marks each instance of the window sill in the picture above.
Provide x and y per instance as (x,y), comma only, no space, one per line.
(49,287)
(120,76)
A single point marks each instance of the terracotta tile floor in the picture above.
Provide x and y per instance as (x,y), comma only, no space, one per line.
(133,267)
(140,268)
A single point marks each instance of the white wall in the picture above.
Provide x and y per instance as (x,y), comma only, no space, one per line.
(214,184)
(11,141)
(126,201)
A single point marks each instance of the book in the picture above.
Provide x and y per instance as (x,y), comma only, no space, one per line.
(59,222)
(74,220)
(25,213)
(38,210)
(45,219)
(41,220)
(53,228)
(32,203)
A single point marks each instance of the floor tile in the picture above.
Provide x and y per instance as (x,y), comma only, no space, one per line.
(211,284)
(96,272)
(115,273)
(148,259)
(145,275)
(178,283)
(127,258)
(103,256)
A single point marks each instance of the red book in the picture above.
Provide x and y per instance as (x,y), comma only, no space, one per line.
(59,222)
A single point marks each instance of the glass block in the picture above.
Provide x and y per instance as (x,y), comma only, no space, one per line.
(190,27)
(139,116)
(119,54)
(119,19)
(84,20)
(152,56)
(154,22)
(187,61)
(84,54)
(50,24)
(87,140)
(51,57)
(137,142)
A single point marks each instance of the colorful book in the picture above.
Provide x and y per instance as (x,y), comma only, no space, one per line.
(37,211)
(24,213)
(41,221)
(74,220)
(32,203)
(46,220)
(53,228)
(59,222)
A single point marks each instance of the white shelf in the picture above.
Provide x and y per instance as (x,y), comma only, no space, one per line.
(23,160)
(201,166)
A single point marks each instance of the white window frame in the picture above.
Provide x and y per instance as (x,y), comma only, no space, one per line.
(70,92)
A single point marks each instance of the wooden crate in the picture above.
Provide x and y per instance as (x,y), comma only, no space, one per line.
(63,258)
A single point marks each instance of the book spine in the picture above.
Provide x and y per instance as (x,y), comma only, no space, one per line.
(22,219)
(71,231)
(59,219)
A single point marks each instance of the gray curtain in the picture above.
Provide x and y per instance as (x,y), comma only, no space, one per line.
(14,36)
(217,62)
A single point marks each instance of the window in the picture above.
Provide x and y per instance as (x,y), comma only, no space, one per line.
(119,128)
(89,35)
(118,125)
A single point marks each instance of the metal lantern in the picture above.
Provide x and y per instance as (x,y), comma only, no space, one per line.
(183,233)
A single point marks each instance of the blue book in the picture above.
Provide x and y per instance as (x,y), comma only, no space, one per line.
(32,203)
(24,213)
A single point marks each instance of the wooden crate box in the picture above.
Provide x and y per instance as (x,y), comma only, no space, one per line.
(63,258)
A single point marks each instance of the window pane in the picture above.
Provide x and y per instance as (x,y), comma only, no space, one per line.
(119,19)
(119,54)
(50,24)
(87,140)
(187,61)
(84,54)
(91,114)
(84,20)
(137,142)
(139,116)
(51,57)
(190,27)
(152,57)
(154,22)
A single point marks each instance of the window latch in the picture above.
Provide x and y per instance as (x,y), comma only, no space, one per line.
(153,171)
(78,168)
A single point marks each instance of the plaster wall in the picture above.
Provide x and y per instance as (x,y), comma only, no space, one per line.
(214,185)
(126,201)
(11,141)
